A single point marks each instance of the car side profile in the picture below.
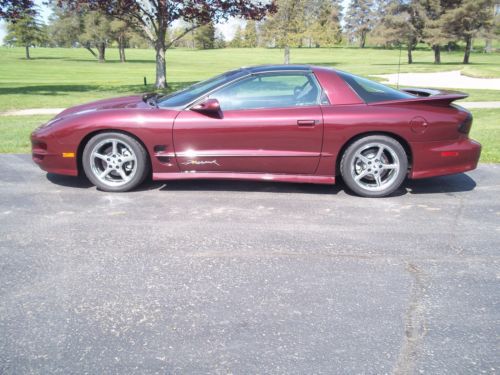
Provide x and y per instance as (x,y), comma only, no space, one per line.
(289,123)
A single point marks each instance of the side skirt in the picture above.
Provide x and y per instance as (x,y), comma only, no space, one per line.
(309,179)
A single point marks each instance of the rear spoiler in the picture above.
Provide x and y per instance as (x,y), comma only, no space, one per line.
(427,96)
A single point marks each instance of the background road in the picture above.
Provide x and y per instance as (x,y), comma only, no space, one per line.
(238,277)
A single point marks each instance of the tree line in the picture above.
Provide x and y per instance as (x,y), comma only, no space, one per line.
(388,23)
(150,18)
(161,24)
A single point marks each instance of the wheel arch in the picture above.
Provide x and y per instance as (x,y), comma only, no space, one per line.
(401,140)
(90,135)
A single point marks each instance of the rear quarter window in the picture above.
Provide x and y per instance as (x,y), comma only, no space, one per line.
(372,92)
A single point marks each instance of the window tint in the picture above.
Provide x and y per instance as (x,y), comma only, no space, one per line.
(371,91)
(187,95)
(275,90)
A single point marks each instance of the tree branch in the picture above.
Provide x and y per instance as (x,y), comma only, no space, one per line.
(185,32)
(87,47)
(149,16)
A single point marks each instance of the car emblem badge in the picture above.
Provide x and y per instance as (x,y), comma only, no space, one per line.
(201,162)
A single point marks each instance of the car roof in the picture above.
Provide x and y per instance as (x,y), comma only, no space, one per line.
(277,68)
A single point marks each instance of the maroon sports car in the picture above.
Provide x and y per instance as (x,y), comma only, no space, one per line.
(292,123)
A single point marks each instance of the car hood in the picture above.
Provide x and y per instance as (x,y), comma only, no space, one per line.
(125,102)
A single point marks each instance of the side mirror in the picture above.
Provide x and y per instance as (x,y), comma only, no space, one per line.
(209,107)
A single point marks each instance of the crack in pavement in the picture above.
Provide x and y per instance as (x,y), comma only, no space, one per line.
(415,324)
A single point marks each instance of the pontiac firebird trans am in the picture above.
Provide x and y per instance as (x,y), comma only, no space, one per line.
(291,123)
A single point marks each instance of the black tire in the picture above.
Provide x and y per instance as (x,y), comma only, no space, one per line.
(368,166)
(118,171)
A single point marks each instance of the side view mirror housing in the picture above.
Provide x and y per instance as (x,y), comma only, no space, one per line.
(210,107)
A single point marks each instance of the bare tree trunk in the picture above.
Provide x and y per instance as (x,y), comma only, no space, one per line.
(410,56)
(161,49)
(27,48)
(488,46)
(362,40)
(161,67)
(468,46)
(101,48)
(121,48)
(287,54)
(437,54)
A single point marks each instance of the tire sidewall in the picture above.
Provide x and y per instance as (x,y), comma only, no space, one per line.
(137,148)
(348,156)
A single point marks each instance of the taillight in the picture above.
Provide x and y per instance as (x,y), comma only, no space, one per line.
(464,127)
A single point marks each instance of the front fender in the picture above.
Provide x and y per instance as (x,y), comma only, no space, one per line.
(152,127)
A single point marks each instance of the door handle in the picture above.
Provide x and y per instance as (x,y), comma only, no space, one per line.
(307,122)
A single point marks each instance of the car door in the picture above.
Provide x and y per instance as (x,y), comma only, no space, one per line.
(269,123)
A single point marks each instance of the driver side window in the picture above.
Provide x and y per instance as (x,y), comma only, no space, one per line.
(272,90)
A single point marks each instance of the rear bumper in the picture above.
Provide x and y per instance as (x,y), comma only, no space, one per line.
(443,158)
(48,154)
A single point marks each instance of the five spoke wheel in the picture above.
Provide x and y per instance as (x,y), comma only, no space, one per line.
(114,162)
(374,166)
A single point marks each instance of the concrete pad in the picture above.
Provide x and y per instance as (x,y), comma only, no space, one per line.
(247,277)
(452,80)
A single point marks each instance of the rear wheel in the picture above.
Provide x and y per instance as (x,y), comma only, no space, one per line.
(374,166)
(114,162)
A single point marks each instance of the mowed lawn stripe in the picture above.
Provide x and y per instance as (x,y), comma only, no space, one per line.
(62,77)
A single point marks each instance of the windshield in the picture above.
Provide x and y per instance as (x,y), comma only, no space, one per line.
(371,91)
(184,97)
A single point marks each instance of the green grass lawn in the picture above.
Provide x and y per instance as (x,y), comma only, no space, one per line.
(486,130)
(15,131)
(58,77)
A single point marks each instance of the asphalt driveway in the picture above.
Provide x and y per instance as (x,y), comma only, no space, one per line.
(245,278)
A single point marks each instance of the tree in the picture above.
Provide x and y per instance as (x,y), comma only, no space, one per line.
(97,33)
(466,20)
(359,20)
(433,31)
(404,24)
(219,41)
(26,31)
(238,40)
(90,29)
(250,34)
(154,17)
(12,10)
(65,27)
(379,32)
(204,36)
(493,32)
(324,28)
(286,26)
(137,40)
(180,39)
(119,31)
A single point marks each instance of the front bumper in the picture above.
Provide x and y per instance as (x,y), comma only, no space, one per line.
(443,158)
(52,157)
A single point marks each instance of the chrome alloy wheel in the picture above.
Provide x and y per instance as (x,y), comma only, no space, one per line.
(113,162)
(375,167)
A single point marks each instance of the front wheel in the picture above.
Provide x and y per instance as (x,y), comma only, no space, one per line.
(374,166)
(115,162)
